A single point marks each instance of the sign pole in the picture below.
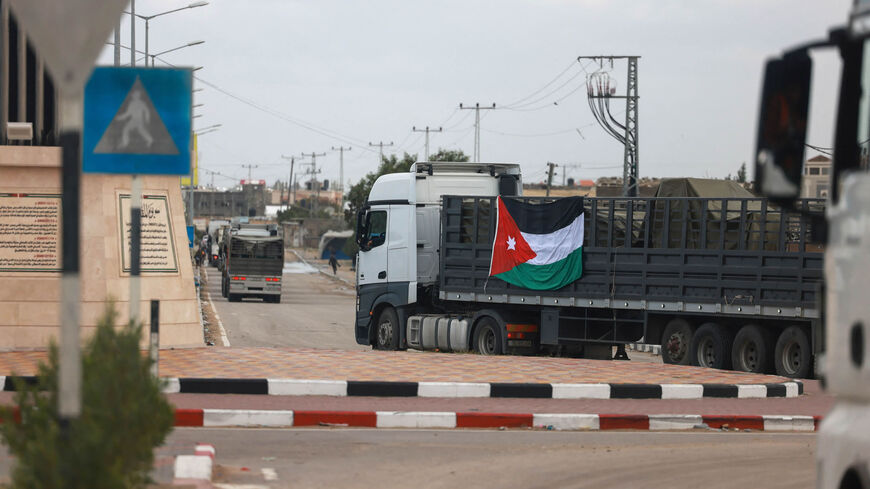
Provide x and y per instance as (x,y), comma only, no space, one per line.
(71,112)
(135,247)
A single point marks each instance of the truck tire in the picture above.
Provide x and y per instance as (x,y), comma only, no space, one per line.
(676,341)
(223,286)
(792,355)
(387,330)
(711,347)
(751,351)
(487,337)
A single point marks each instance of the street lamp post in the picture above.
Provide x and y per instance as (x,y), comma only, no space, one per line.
(194,43)
(147,19)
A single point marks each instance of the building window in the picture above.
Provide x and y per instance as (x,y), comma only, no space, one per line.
(814,171)
(825,171)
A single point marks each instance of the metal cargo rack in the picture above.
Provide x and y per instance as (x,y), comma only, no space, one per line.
(734,256)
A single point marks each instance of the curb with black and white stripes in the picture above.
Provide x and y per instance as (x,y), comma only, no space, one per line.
(350,388)
(450,420)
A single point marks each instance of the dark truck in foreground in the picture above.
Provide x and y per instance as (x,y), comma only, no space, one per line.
(253,262)
(718,282)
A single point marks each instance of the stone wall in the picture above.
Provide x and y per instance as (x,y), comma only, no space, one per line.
(30,300)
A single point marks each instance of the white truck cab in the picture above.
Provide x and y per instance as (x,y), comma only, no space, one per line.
(843,450)
(398,234)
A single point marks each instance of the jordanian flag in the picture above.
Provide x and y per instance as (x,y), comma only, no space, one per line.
(538,246)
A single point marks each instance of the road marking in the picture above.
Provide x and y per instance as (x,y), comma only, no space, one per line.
(224,339)
(269,474)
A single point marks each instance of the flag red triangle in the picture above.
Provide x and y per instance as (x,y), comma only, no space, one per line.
(509,248)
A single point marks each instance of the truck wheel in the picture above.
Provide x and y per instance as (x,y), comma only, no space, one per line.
(387,331)
(792,354)
(487,339)
(223,286)
(751,350)
(676,339)
(711,347)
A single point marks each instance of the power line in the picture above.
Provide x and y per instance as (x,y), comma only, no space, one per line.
(545,96)
(567,68)
(539,135)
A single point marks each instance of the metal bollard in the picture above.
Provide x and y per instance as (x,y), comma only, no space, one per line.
(155,337)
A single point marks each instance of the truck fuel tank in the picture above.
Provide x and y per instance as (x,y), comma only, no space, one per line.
(431,332)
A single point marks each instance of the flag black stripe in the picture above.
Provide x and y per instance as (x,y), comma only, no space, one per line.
(544,218)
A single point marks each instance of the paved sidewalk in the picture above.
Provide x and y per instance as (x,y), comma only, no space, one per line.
(309,255)
(409,366)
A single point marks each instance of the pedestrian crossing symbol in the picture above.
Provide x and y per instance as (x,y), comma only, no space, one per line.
(137,120)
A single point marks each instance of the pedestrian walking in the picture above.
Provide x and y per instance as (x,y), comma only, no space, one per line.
(333,261)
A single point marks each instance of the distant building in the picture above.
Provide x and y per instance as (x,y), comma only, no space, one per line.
(817,180)
(304,194)
(250,200)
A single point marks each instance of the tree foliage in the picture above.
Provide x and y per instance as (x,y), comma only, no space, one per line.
(110,445)
(301,212)
(741,173)
(449,155)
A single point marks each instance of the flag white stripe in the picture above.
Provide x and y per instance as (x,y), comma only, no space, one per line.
(557,245)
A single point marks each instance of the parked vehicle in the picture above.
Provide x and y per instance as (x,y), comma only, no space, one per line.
(843,448)
(253,262)
(719,282)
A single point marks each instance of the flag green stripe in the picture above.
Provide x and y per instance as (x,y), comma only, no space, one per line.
(546,277)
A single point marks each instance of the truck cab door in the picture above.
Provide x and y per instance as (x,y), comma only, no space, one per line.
(373,255)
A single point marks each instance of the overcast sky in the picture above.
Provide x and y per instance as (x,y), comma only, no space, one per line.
(284,77)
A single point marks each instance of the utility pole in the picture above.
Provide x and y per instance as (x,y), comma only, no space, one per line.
(341,150)
(427,131)
(249,167)
(315,184)
(381,146)
(477,108)
(290,200)
(551,167)
(630,137)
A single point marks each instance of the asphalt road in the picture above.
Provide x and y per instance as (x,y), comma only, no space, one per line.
(350,458)
(315,312)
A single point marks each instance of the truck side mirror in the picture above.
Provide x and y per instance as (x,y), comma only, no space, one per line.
(362,228)
(782,127)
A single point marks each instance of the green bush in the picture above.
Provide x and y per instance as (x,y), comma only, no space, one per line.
(124,416)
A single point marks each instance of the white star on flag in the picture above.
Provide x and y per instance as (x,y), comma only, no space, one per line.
(512,243)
